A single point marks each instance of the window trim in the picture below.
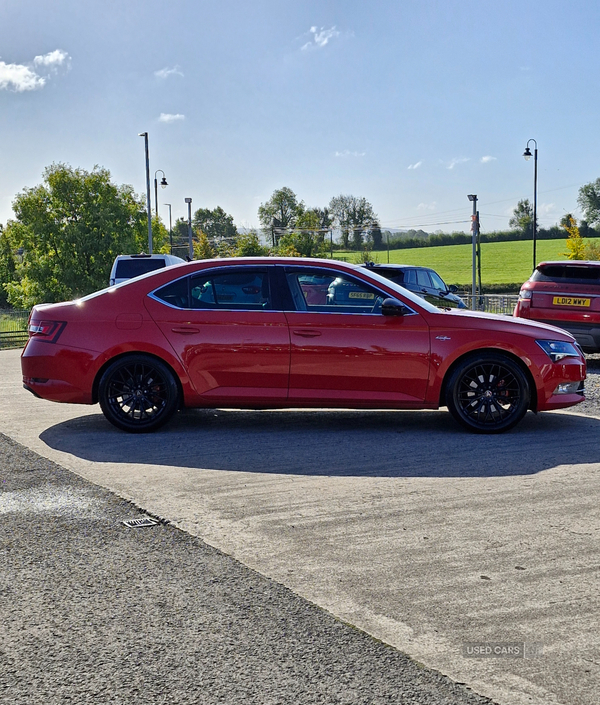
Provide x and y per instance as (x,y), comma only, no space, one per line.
(286,267)
(267,269)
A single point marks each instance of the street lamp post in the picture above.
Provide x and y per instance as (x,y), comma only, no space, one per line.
(527,155)
(473,198)
(191,244)
(163,184)
(148,203)
(170,229)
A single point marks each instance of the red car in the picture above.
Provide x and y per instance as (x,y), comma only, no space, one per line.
(245,333)
(565,294)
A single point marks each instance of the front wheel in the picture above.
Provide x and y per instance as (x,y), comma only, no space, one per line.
(138,393)
(488,393)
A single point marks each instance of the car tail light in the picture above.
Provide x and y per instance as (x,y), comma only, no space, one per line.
(49,331)
(525,294)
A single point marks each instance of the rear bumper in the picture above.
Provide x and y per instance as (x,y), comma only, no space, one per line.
(58,373)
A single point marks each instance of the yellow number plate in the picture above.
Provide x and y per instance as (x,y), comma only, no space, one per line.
(360,295)
(570,301)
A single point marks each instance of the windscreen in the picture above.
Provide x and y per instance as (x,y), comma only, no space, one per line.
(129,268)
(567,274)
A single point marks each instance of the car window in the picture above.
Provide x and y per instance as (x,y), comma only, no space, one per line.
(233,289)
(438,282)
(335,293)
(129,268)
(230,289)
(423,278)
(567,274)
(410,276)
(176,293)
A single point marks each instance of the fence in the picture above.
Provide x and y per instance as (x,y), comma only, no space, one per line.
(492,303)
(13,329)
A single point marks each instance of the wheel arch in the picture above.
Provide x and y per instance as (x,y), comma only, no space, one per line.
(533,402)
(133,353)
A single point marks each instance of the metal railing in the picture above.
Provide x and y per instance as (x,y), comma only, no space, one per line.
(13,328)
(492,303)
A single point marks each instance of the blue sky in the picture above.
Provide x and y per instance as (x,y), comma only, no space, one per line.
(412,104)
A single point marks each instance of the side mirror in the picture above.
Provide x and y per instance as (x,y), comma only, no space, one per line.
(393,307)
(453,288)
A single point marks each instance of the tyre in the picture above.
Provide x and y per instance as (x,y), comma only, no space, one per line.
(488,393)
(138,393)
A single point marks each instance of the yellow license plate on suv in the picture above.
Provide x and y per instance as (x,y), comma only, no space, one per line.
(570,301)
(360,295)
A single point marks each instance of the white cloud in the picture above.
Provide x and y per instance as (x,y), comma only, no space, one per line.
(415,166)
(546,209)
(458,160)
(26,77)
(19,78)
(348,153)
(427,206)
(166,72)
(321,37)
(487,159)
(169,117)
(55,58)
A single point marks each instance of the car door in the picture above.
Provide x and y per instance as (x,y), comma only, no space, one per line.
(224,325)
(345,350)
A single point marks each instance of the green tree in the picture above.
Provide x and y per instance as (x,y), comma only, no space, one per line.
(248,245)
(280,212)
(8,264)
(589,201)
(215,223)
(522,217)
(575,243)
(70,229)
(202,247)
(353,215)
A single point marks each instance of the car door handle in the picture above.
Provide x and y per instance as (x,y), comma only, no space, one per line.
(185,330)
(307,333)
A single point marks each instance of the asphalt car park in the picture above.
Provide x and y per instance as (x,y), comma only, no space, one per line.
(425,538)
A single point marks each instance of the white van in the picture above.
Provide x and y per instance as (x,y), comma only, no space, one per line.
(128,266)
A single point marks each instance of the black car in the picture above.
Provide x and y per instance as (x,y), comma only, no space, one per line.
(423,281)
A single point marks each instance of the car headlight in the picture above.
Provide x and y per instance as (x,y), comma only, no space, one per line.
(557,349)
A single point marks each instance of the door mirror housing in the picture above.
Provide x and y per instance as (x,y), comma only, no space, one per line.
(453,288)
(393,307)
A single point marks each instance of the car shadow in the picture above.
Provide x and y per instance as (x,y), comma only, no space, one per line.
(336,443)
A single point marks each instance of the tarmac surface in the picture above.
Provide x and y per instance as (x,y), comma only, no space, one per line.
(399,523)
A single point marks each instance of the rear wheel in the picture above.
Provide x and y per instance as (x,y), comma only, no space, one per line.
(488,393)
(138,393)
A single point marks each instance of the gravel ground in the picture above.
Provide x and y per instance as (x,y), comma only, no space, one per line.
(591,405)
(95,612)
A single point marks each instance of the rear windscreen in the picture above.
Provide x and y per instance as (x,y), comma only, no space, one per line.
(129,268)
(567,274)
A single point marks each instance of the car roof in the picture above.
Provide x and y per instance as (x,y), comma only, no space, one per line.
(570,263)
(376,265)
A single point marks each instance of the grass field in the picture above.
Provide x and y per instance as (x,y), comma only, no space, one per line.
(501,262)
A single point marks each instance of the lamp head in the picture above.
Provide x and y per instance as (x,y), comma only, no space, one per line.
(187,200)
(163,183)
(472,197)
(527,154)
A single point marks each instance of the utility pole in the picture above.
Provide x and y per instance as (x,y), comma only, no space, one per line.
(191,244)
(170,229)
(474,237)
(148,202)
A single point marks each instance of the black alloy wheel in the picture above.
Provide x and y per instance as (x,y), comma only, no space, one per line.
(138,393)
(488,393)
